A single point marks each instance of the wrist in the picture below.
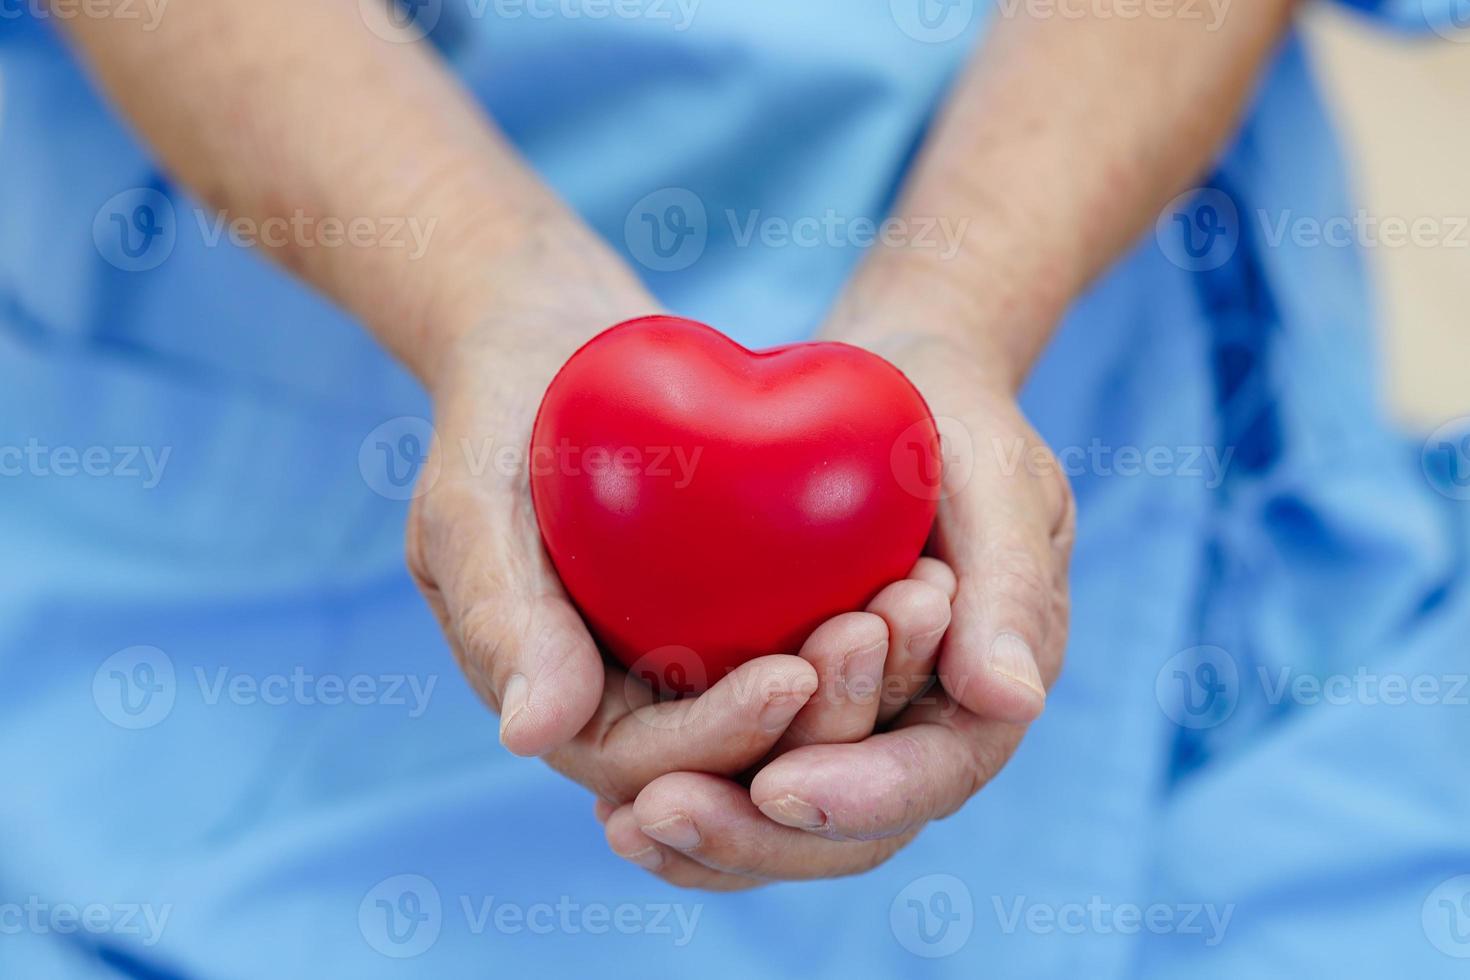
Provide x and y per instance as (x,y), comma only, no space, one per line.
(537,298)
(902,304)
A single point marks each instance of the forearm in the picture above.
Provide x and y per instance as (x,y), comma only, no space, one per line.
(1060,144)
(292,109)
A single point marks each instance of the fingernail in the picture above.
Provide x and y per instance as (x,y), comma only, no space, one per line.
(792,812)
(513,701)
(677,831)
(862,671)
(650,858)
(1012,658)
(777,714)
(924,641)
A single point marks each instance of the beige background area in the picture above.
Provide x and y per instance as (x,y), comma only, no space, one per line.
(1403,106)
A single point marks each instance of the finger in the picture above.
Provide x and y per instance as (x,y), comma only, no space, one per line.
(848,653)
(520,642)
(728,729)
(631,844)
(713,822)
(1004,646)
(890,784)
(916,614)
(936,573)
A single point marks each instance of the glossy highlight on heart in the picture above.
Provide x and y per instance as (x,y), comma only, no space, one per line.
(705,504)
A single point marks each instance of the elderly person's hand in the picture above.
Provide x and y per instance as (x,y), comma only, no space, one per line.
(1005,526)
(475,551)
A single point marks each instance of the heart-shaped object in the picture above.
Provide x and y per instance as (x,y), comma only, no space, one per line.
(705,504)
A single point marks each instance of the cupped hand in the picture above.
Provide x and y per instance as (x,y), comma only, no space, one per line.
(474,550)
(1006,525)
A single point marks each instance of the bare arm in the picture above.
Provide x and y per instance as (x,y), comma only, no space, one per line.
(1060,144)
(274,107)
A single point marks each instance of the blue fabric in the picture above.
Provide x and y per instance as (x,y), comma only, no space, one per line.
(1185,808)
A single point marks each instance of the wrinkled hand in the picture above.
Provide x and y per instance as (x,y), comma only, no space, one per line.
(474,550)
(1006,525)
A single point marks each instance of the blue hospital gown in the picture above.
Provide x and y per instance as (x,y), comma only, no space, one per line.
(235,745)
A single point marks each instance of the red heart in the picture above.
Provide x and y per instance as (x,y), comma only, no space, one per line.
(705,504)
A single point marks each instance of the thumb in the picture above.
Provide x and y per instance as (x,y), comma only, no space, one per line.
(1008,536)
(478,560)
